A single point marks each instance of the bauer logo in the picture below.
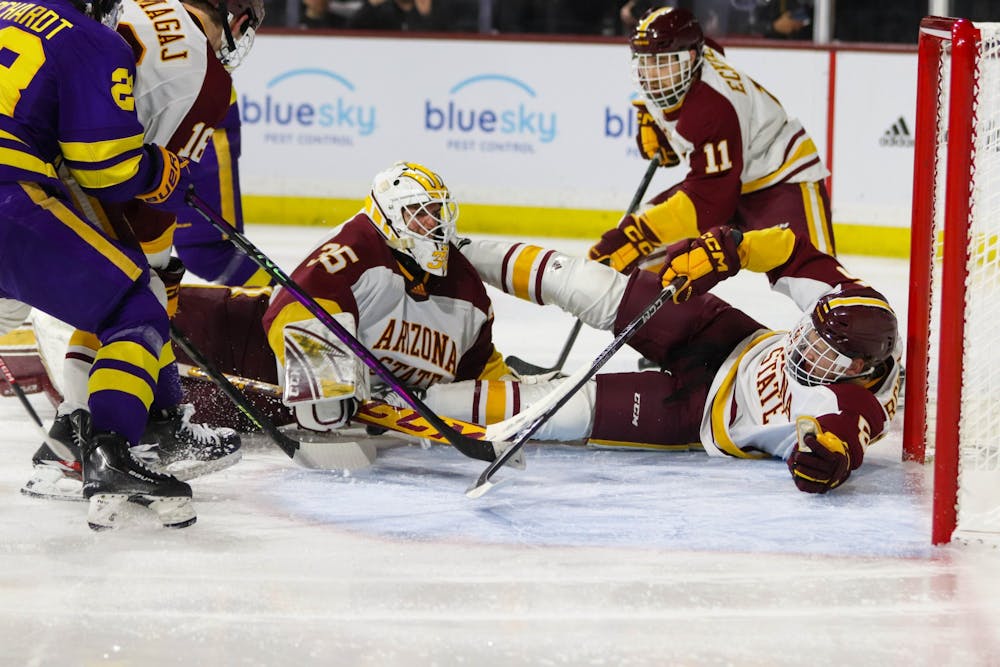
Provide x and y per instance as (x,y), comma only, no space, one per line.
(491,113)
(309,106)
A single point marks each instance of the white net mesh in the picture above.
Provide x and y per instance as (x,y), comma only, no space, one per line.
(979,425)
(979,452)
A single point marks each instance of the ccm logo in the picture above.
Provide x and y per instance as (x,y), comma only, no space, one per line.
(635,409)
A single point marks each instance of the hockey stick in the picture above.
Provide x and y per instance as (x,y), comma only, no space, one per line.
(476,449)
(371,412)
(533,418)
(522,367)
(314,455)
(60,449)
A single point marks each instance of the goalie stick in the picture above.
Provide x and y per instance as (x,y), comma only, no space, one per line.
(522,367)
(476,449)
(531,420)
(314,455)
(371,412)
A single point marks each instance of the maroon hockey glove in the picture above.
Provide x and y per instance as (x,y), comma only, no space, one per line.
(650,138)
(702,262)
(621,248)
(820,461)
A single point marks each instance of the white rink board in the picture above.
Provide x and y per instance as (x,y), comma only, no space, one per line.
(533,124)
(873,165)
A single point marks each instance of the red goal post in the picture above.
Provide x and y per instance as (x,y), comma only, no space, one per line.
(953,355)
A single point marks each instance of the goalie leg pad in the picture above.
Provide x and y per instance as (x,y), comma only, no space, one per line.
(487,402)
(579,286)
(650,410)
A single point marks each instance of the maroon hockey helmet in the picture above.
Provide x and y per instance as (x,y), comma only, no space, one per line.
(666,55)
(854,322)
(667,30)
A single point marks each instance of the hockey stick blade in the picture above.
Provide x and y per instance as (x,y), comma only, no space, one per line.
(543,409)
(320,455)
(476,449)
(522,367)
(405,421)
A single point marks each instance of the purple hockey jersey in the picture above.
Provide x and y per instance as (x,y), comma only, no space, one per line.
(66,95)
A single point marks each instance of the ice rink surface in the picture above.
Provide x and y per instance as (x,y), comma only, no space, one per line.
(584,558)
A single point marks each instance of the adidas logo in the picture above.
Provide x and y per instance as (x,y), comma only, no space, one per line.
(897,135)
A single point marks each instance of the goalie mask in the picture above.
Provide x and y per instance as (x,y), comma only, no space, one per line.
(849,334)
(231,13)
(413,209)
(666,56)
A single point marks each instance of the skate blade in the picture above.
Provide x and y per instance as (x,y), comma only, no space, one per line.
(189,469)
(52,484)
(111,510)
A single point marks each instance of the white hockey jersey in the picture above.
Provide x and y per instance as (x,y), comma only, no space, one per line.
(753,403)
(181,90)
(737,123)
(427,330)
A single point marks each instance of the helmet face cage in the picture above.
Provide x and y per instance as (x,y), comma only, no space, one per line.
(418,214)
(664,78)
(666,49)
(106,11)
(234,49)
(811,360)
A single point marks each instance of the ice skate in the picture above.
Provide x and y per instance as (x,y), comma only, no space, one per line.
(112,478)
(53,477)
(187,450)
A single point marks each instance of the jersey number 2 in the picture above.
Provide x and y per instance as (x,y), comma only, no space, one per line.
(28,59)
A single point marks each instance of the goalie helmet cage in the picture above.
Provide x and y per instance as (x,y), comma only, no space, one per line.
(953,359)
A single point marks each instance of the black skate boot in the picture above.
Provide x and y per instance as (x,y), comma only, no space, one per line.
(188,450)
(53,476)
(112,477)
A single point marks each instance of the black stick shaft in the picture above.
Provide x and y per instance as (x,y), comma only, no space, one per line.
(287,444)
(620,340)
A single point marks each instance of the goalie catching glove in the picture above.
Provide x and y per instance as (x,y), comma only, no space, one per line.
(323,380)
(820,460)
(650,138)
(624,246)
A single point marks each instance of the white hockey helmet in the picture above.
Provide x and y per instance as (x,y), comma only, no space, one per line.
(413,209)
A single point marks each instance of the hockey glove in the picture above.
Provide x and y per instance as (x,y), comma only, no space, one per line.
(650,138)
(820,460)
(172,179)
(621,248)
(702,262)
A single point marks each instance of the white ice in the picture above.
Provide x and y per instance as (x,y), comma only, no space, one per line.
(584,558)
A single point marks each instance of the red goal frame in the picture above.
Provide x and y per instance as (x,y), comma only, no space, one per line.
(936,33)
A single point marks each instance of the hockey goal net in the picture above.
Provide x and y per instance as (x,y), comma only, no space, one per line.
(953,355)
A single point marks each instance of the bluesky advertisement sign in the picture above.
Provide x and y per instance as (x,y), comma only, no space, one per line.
(535,124)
